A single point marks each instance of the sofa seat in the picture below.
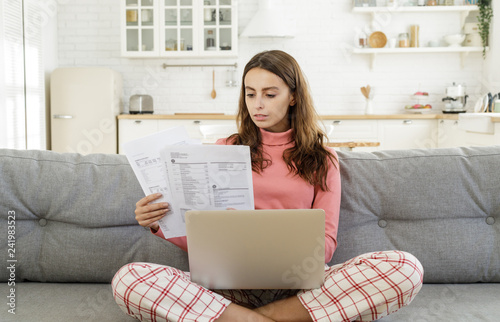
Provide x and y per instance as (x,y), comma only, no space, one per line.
(54,302)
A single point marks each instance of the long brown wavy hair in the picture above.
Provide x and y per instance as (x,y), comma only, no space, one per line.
(309,158)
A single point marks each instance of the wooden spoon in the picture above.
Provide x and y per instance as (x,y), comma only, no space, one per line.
(214,93)
(364,91)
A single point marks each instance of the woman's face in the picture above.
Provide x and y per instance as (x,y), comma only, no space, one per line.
(268,99)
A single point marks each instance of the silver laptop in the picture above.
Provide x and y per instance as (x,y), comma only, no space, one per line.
(256,249)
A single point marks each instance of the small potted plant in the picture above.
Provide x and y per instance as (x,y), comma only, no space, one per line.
(484,19)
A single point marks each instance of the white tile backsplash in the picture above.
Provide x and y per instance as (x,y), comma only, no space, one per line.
(89,35)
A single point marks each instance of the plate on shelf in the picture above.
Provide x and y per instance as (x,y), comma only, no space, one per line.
(418,110)
(377,40)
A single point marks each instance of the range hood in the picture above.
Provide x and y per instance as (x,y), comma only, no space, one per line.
(270,21)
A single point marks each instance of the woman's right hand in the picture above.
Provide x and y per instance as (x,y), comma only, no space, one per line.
(147,213)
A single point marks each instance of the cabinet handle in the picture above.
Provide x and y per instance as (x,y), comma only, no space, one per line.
(197,122)
(58,116)
(336,122)
(137,122)
(407,121)
(441,122)
(456,123)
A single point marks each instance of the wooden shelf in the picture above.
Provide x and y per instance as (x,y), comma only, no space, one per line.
(417,50)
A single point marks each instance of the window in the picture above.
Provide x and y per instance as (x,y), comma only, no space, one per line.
(22,95)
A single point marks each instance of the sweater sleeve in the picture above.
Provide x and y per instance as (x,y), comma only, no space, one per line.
(329,201)
(180,242)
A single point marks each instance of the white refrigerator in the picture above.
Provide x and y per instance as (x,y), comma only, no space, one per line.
(84,103)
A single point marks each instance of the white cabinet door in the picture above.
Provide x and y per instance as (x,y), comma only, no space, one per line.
(179,28)
(139,22)
(449,135)
(407,134)
(208,131)
(352,130)
(133,129)
(482,139)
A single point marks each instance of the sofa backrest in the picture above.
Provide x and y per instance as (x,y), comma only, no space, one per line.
(75,222)
(441,205)
(74,217)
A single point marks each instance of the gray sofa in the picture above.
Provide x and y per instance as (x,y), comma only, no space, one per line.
(74,227)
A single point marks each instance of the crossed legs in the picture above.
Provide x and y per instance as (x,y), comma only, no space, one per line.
(365,288)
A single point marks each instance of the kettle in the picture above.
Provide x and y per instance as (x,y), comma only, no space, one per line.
(141,104)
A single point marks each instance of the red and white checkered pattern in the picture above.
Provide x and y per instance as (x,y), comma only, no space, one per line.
(364,288)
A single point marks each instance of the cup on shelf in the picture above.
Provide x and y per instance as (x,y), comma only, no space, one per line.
(433,43)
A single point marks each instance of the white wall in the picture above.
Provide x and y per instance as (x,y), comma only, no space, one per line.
(492,72)
(89,35)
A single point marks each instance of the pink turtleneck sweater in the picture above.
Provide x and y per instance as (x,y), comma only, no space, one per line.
(276,188)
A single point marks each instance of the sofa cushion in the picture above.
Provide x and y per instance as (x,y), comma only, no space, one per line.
(74,217)
(452,302)
(442,205)
(48,302)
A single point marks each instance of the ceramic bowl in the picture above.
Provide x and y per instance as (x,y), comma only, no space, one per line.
(454,40)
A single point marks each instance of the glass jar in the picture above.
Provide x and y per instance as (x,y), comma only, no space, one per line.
(363,40)
(404,40)
(207,13)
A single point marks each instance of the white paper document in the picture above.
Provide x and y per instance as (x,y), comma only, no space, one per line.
(191,176)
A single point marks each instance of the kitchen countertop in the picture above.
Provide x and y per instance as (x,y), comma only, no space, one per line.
(216,116)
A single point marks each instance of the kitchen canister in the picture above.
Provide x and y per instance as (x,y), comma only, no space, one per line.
(132,15)
(207,12)
(404,40)
(415,36)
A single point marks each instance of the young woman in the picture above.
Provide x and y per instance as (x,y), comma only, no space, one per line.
(292,169)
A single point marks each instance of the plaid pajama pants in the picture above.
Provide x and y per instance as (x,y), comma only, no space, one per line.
(365,288)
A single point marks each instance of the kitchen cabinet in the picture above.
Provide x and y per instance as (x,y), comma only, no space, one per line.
(139,26)
(392,131)
(381,13)
(407,134)
(449,134)
(207,131)
(482,139)
(353,129)
(130,129)
(179,28)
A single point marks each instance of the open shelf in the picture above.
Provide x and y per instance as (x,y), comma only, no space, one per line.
(417,50)
(463,10)
(463,51)
(399,9)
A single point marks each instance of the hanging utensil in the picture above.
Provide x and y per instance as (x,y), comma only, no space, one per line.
(214,93)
